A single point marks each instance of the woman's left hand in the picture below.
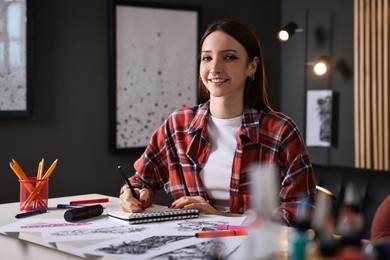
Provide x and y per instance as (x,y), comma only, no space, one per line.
(194,202)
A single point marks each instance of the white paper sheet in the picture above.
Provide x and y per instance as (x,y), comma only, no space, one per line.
(209,249)
(203,223)
(56,230)
(171,236)
(165,246)
(39,224)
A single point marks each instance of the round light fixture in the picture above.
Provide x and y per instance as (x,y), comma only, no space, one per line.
(321,66)
(283,36)
(287,31)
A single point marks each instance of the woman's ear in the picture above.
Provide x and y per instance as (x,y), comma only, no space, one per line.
(253,65)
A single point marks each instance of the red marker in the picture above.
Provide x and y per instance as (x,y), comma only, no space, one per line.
(91,201)
(224,233)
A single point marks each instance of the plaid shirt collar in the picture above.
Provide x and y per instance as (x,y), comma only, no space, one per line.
(249,131)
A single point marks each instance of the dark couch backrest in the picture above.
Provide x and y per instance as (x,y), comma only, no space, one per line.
(374,186)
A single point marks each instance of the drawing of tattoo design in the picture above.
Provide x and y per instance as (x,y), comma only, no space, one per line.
(142,246)
(199,225)
(54,225)
(212,249)
(108,230)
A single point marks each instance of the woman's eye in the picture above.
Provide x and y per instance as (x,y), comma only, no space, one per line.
(231,57)
(206,58)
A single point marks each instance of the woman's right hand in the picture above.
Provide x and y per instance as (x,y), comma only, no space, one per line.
(131,204)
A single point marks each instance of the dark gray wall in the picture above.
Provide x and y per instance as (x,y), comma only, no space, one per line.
(70,93)
(329,32)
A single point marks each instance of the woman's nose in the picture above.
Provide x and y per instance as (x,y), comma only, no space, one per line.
(216,67)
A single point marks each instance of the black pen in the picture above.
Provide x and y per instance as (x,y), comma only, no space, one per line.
(128,183)
(31,213)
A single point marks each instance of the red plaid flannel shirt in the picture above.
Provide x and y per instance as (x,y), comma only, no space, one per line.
(179,149)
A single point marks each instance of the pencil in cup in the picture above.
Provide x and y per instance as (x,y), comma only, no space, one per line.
(40,169)
(22,176)
(36,190)
(40,200)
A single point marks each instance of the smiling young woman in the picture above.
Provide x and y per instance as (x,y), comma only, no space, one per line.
(224,69)
(201,155)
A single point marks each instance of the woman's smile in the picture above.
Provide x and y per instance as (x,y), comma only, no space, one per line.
(218,81)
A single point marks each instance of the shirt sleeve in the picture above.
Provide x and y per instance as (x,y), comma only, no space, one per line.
(297,174)
(152,167)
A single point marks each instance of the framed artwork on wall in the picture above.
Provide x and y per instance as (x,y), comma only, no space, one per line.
(319,118)
(15,58)
(153,67)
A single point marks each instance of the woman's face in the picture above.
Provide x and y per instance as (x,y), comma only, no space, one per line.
(224,66)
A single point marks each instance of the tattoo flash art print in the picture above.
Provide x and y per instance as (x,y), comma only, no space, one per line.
(143,246)
(117,230)
(94,233)
(169,247)
(198,225)
(39,225)
(205,223)
(211,249)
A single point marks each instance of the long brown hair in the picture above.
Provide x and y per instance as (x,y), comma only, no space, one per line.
(255,93)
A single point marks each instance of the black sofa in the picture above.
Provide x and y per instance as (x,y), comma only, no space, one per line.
(374,187)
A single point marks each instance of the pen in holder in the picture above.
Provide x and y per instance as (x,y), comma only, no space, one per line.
(33,194)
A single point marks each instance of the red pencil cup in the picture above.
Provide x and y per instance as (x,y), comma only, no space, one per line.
(33,194)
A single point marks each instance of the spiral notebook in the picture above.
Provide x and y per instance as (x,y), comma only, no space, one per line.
(155,214)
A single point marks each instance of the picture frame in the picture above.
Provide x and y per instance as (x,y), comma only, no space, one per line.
(320,118)
(153,67)
(16,58)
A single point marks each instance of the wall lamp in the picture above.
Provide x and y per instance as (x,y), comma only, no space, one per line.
(320,66)
(287,31)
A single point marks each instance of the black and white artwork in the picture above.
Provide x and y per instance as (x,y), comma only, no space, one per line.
(101,232)
(211,249)
(154,68)
(166,246)
(140,247)
(199,225)
(169,236)
(15,56)
(319,111)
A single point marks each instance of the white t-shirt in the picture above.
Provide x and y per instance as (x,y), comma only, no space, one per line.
(217,171)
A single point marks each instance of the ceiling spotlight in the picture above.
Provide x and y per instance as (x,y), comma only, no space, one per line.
(287,31)
(321,66)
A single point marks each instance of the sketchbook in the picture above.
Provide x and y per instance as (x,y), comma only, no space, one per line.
(155,214)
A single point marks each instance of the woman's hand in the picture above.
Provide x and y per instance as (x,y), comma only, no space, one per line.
(194,202)
(131,204)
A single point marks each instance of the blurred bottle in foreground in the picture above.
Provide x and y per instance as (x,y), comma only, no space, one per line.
(350,225)
(299,237)
(324,246)
(264,239)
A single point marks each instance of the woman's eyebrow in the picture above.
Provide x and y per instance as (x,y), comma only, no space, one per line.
(226,50)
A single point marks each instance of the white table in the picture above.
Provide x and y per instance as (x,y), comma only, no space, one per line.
(30,246)
(15,246)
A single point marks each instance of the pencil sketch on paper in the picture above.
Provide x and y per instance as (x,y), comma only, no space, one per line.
(211,249)
(118,230)
(41,225)
(198,225)
(140,247)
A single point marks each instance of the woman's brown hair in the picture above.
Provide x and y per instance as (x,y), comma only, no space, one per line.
(255,93)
